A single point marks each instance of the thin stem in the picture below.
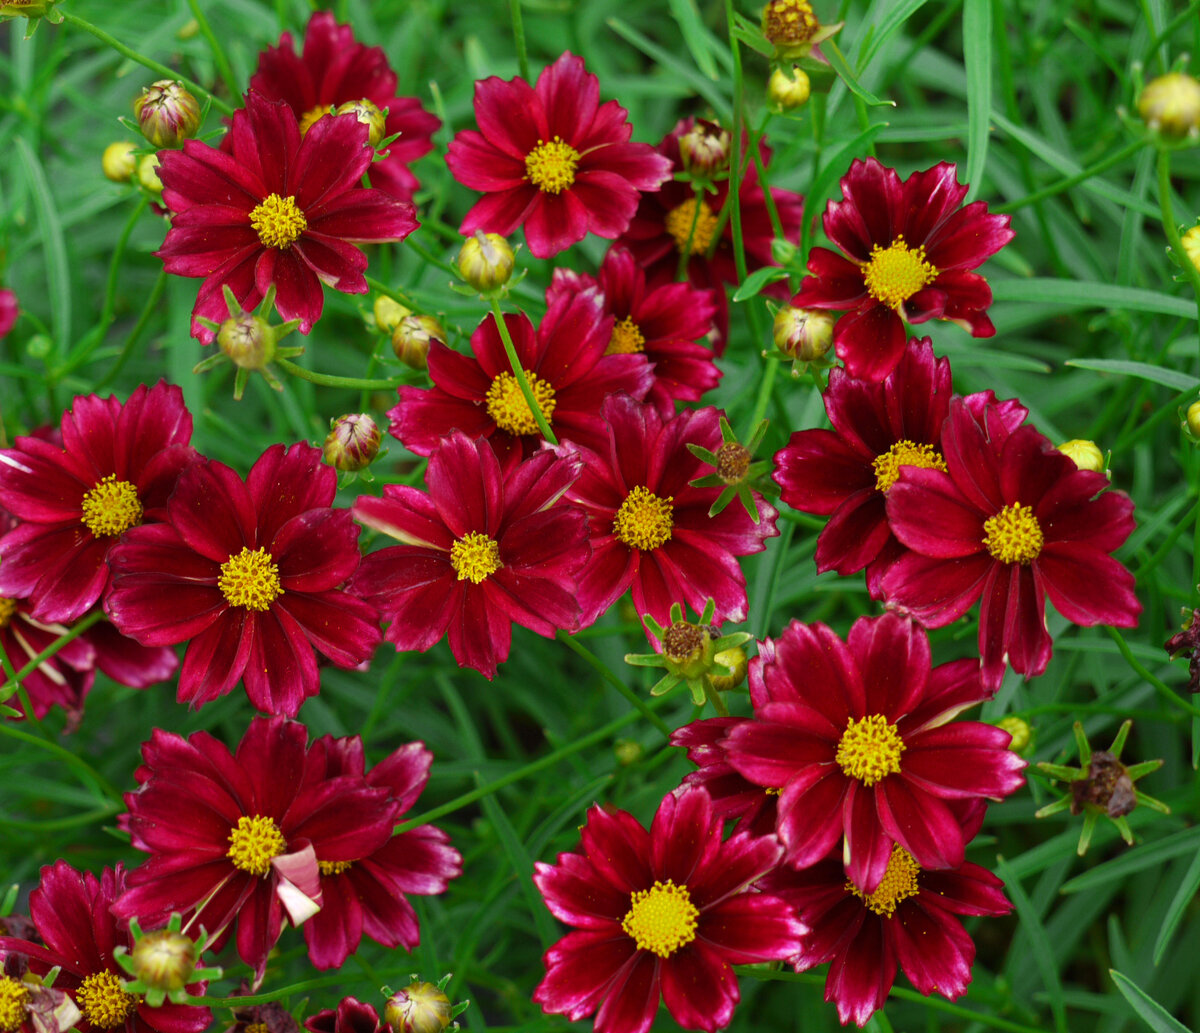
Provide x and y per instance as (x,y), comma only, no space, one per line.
(764,393)
(239,1001)
(1168,221)
(1065,184)
(735,167)
(514,9)
(519,372)
(222,62)
(1159,686)
(68,758)
(601,668)
(148,310)
(329,380)
(714,697)
(685,252)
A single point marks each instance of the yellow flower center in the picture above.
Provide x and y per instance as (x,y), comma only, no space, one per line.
(899,883)
(474,557)
(278,221)
(1013,535)
(626,339)
(789,21)
(254,843)
(334,867)
(905,453)
(661,919)
(103,1003)
(111,507)
(550,166)
(644,521)
(14,1004)
(258,1027)
(679,225)
(507,407)
(870,749)
(8,607)
(250,579)
(310,119)
(895,273)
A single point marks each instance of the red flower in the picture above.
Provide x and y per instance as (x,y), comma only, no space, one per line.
(552,158)
(907,247)
(116,468)
(234,839)
(277,210)
(249,574)
(351,1016)
(1012,520)
(650,528)
(567,367)
(910,920)
(856,735)
(661,912)
(9,310)
(483,551)
(660,230)
(70,910)
(665,323)
(334,68)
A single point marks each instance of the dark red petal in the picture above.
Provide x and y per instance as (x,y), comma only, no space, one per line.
(751,928)
(933,949)
(810,821)
(868,847)
(870,341)
(619,848)
(555,222)
(576,895)
(1088,587)
(962,760)
(936,591)
(699,987)
(586,969)
(856,533)
(861,976)
(930,515)
(893,658)
(818,471)
(919,822)
(215,659)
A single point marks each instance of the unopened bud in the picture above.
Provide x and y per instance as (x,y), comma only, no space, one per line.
(248,341)
(1085,454)
(411,339)
(790,26)
(369,115)
(785,92)
(119,162)
(419,1008)
(704,149)
(627,751)
(485,261)
(353,442)
(1193,419)
(1171,104)
(164,960)
(735,660)
(1191,245)
(389,312)
(147,173)
(803,334)
(167,113)
(1020,731)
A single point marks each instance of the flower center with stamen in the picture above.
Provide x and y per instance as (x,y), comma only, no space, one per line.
(1013,535)
(733,462)
(111,507)
(550,166)
(258,1027)
(250,579)
(679,225)
(789,21)
(8,607)
(899,883)
(904,453)
(254,843)
(626,339)
(895,273)
(870,749)
(475,557)
(334,867)
(311,117)
(103,1003)
(506,404)
(644,521)
(661,919)
(683,641)
(278,221)
(14,1004)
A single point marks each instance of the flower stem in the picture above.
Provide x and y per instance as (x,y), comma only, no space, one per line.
(222,62)
(1065,184)
(764,394)
(601,668)
(67,757)
(519,372)
(148,310)
(518,27)
(1168,221)
(329,380)
(685,252)
(714,697)
(735,166)
(1159,686)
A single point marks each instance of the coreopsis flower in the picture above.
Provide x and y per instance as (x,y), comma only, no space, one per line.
(9,310)
(857,736)
(277,210)
(250,574)
(552,158)
(907,248)
(78,934)
(660,913)
(484,550)
(333,69)
(665,323)
(27,1005)
(566,363)
(350,1016)
(1012,520)
(673,221)
(116,467)
(910,920)
(234,838)
(650,529)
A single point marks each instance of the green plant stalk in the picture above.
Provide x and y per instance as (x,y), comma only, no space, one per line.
(518,27)
(1063,185)
(734,200)
(156,293)
(519,372)
(68,758)
(764,393)
(601,668)
(685,252)
(329,380)
(1159,686)
(1169,227)
(222,62)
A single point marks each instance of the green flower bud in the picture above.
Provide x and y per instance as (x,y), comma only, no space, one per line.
(1171,104)
(353,442)
(119,162)
(167,113)
(249,342)
(411,338)
(1085,454)
(785,92)
(369,115)
(485,261)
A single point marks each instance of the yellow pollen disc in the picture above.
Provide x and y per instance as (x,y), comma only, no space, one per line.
(789,21)
(254,843)
(899,883)
(895,273)
(103,1003)
(509,410)
(474,557)
(334,867)
(679,225)
(870,749)
(258,1027)
(111,507)
(278,221)
(14,1004)
(310,118)
(661,919)
(626,339)
(644,521)
(8,607)
(551,166)
(250,579)
(1013,535)
(905,453)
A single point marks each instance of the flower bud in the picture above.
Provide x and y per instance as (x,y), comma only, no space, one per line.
(1085,454)
(147,173)
(419,1008)
(1191,245)
(164,960)
(389,312)
(352,443)
(119,162)
(410,339)
(803,334)
(26,8)
(369,115)
(485,261)
(1193,419)
(1171,104)
(627,751)
(785,92)
(249,342)
(704,149)
(735,660)
(790,26)
(167,113)
(1020,731)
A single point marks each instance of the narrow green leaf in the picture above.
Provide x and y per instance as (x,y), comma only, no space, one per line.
(897,15)
(705,87)
(1141,370)
(838,60)
(1090,294)
(1148,1009)
(994,359)
(834,168)
(1179,904)
(687,17)
(1149,855)
(977,54)
(1043,953)
(757,280)
(53,242)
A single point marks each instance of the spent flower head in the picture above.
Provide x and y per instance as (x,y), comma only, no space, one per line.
(249,341)
(736,472)
(792,27)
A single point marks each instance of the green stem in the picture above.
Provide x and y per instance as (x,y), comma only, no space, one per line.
(1159,686)
(9,687)
(601,668)
(514,8)
(329,380)
(1168,221)
(68,758)
(1065,184)
(238,1001)
(148,310)
(714,697)
(734,200)
(764,394)
(519,372)
(222,62)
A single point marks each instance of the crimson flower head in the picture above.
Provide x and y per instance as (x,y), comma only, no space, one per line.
(660,913)
(1011,520)
(116,467)
(276,210)
(9,310)
(552,158)
(906,251)
(857,736)
(482,551)
(250,574)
